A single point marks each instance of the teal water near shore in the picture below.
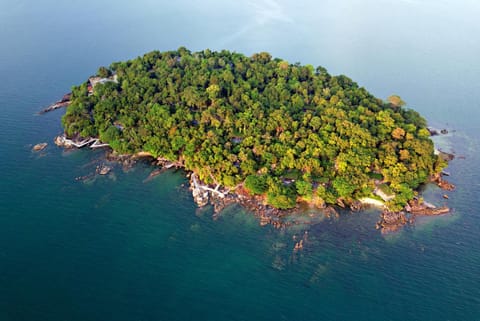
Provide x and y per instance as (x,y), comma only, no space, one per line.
(117,247)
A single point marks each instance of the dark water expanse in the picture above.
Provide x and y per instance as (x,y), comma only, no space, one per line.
(120,248)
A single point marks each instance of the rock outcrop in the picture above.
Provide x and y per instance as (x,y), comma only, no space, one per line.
(419,207)
(443,184)
(391,221)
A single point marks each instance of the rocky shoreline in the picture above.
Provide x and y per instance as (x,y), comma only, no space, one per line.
(391,221)
(203,194)
(220,198)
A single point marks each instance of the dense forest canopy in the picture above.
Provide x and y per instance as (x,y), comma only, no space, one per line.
(282,130)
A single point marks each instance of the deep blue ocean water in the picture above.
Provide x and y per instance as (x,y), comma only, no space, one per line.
(122,248)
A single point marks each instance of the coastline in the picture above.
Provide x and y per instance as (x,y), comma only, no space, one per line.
(261,165)
(219,197)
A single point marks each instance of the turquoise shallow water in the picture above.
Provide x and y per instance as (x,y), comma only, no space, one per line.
(120,248)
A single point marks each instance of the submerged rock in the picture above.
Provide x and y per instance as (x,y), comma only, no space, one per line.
(39,147)
(331,212)
(104,170)
(298,245)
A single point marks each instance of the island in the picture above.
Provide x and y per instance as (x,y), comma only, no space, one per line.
(257,130)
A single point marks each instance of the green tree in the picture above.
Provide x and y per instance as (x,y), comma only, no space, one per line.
(261,121)
(256,184)
(104,72)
